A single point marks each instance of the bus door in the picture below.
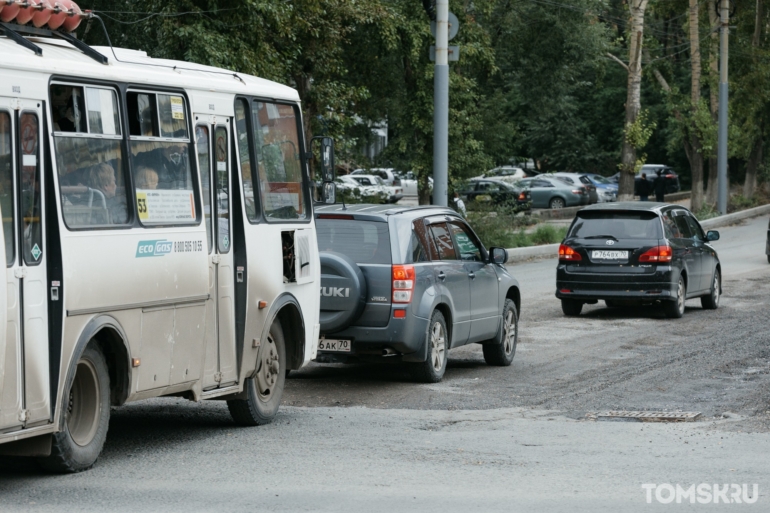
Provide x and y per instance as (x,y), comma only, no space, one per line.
(213,142)
(25,399)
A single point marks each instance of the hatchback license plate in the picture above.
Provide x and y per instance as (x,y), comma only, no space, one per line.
(338,346)
(609,255)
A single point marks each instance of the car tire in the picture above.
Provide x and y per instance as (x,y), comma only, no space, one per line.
(711,302)
(571,307)
(556,203)
(675,309)
(433,368)
(86,416)
(265,389)
(501,351)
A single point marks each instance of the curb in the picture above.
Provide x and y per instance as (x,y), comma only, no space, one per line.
(552,250)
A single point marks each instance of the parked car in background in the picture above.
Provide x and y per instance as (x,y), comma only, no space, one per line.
(408,284)
(506,173)
(607,190)
(637,253)
(497,192)
(388,175)
(581,179)
(347,187)
(651,170)
(408,182)
(548,192)
(395,192)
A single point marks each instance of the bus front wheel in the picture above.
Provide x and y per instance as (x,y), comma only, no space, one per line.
(265,389)
(86,416)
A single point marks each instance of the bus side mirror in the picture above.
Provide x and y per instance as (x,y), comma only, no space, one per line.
(330,193)
(327,157)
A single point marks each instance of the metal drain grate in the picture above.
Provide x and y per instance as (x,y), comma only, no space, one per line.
(649,416)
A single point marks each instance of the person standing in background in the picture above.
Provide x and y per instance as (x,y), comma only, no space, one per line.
(659,185)
(643,188)
(459,204)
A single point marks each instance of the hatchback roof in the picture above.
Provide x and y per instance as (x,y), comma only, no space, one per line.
(650,206)
(364,210)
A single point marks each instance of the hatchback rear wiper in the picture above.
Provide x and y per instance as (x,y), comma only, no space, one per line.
(602,237)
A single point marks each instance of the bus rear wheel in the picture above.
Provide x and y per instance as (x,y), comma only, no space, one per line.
(86,416)
(264,391)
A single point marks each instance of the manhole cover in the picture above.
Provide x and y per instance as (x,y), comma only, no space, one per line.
(649,416)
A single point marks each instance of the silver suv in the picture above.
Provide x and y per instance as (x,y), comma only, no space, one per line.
(410,283)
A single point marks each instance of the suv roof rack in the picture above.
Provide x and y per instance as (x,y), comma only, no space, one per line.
(14,32)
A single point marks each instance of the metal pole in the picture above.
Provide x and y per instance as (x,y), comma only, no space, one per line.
(441,106)
(722,144)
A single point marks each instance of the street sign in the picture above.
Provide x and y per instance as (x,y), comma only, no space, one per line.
(454,27)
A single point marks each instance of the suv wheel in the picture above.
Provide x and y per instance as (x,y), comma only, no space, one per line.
(502,349)
(571,307)
(711,302)
(432,369)
(675,309)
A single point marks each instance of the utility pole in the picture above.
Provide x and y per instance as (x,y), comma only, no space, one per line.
(441,105)
(722,145)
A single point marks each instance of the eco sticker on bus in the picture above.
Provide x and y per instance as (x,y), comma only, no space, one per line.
(153,248)
(36,252)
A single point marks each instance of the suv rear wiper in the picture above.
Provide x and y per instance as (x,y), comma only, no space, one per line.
(602,237)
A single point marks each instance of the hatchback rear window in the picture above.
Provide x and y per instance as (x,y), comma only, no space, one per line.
(621,225)
(365,242)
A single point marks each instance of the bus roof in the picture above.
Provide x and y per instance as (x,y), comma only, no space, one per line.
(124,65)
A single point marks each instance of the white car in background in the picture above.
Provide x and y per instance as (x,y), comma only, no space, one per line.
(387,175)
(395,193)
(508,174)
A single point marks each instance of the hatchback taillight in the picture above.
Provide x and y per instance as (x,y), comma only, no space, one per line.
(669,176)
(403,283)
(657,254)
(567,253)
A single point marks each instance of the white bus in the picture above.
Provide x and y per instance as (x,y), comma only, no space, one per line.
(159,241)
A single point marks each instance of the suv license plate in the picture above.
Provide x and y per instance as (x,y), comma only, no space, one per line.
(330,344)
(609,255)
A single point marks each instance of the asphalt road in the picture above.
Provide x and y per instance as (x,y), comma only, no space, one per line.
(362,437)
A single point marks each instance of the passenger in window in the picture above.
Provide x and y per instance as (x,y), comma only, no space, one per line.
(146,178)
(171,164)
(102,178)
(70,120)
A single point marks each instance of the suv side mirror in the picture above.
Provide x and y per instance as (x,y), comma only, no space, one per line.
(498,256)
(712,235)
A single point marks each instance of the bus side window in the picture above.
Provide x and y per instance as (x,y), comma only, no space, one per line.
(92,181)
(6,186)
(242,137)
(163,180)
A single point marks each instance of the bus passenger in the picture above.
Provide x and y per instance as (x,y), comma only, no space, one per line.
(170,163)
(102,178)
(146,178)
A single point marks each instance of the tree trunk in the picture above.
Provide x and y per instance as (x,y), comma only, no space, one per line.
(633,96)
(755,160)
(696,159)
(712,187)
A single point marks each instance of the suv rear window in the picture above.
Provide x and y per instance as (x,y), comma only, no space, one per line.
(622,225)
(365,242)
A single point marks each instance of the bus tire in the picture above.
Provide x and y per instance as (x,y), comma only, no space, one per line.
(86,416)
(264,391)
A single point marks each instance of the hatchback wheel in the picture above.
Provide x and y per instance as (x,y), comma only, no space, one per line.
(571,307)
(556,203)
(675,309)
(711,302)
(432,369)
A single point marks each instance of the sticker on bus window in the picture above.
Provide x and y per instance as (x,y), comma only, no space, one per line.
(177,107)
(29,160)
(160,206)
(221,166)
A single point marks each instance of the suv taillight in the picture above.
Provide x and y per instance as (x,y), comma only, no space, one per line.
(567,253)
(657,254)
(403,283)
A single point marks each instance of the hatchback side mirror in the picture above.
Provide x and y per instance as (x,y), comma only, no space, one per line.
(712,235)
(498,256)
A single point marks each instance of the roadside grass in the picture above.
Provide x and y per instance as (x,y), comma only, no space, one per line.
(505,229)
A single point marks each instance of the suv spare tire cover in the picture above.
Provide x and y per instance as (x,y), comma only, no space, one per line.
(343,292)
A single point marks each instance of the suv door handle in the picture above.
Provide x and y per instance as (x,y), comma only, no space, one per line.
(442,276)
(472,275)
